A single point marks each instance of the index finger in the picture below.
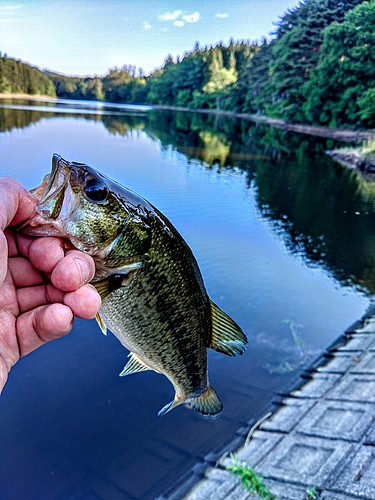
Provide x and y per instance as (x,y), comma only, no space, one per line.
(16,206)
(16,203)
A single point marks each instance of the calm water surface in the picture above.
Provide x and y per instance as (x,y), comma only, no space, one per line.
(285,241)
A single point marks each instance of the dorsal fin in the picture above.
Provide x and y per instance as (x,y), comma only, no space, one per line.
(227,336)
(134,365)
(101,323)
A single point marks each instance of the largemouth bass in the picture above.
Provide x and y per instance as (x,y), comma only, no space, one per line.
(153,296)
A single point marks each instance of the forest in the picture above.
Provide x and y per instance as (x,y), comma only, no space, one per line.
(319,68)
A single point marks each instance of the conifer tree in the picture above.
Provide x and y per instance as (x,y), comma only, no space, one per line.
(342,87)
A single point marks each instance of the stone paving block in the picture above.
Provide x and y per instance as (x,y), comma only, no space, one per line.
(260,444)
(329,495)
(370,437)
(341,362)
(359,342)
(282,491)
(355,387)
(319,385)
(304,460)
(240,494)
(358,479)
(368,327)
(338,420)
(285,491)
(287,417)
(365,364)
(208,488)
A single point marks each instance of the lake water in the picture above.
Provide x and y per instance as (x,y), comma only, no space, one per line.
(284,238)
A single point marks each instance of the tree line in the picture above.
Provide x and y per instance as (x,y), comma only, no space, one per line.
(318,68)
(17,77)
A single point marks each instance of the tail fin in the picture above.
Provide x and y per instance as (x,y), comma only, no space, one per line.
(208,403)
(227,336)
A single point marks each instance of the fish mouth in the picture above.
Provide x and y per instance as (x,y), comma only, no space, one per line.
(55,199)
(57,179)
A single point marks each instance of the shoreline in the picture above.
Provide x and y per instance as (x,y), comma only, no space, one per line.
(315,130)
(34,97)
(346,135)
(323,421)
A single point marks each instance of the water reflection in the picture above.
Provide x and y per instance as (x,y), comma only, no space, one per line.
(256,205)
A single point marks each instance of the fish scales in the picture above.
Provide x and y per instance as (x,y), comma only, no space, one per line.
(153,295)
(150,299)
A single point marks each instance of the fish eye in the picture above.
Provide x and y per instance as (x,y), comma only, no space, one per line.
(96,190)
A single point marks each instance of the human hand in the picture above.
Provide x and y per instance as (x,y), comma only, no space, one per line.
(42,285)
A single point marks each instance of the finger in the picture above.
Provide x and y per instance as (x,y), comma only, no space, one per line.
(32,297)
(36,327)
(16,204)
(84,302)
(24,273)
(12,243)
(3,257)
(46,253)
(74,270)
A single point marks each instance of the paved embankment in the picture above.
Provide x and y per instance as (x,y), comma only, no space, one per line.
(322,436)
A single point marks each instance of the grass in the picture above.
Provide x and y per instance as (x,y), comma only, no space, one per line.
(369,148)
(311,494)
(250,480)
(253,482)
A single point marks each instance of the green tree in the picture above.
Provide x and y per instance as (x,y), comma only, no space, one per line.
(342,87)
(296,53)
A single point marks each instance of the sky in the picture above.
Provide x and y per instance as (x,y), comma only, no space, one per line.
(88,37)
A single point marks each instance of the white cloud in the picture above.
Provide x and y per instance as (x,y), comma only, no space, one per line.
(147,26)
(170,16)
(193,18)
(179,23)
(10,8)
(222,16)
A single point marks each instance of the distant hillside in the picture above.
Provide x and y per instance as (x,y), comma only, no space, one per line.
(17,77)
(319,68)
(198,79)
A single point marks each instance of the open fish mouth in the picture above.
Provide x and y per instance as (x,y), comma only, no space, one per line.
(55,201)
(57,179)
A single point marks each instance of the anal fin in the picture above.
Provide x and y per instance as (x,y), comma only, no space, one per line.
(227,336)
(134,365)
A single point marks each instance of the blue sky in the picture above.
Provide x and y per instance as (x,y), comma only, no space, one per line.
(87,37)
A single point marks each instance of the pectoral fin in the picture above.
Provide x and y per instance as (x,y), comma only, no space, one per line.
(108,285)
(227,336)
(134,365)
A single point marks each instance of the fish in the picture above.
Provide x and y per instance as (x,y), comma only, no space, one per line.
(153,295)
